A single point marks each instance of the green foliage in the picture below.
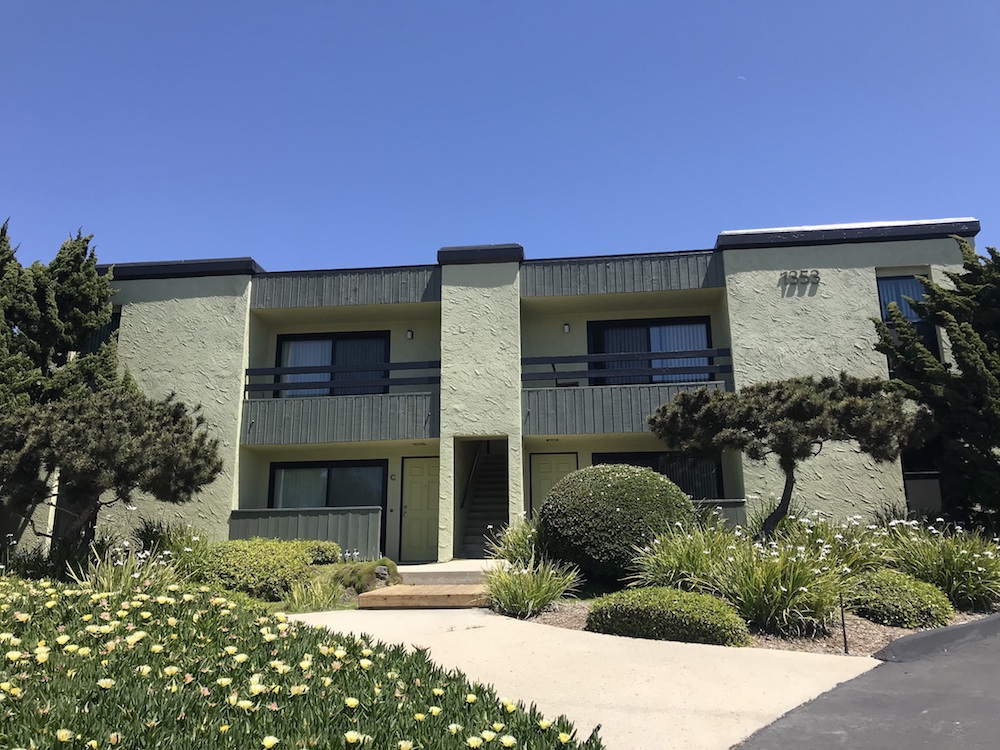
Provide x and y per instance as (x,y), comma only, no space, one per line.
(847,547)
(668,614)
(594,517)
(789,419)
(360,576)
(779,589)
(124,571)
(889,597)
(170,673)
(320,552)
(67,406)
(965,565)
(262,568)
(313,595)
(963,398)
(525,588)
(516,543)
(686,557)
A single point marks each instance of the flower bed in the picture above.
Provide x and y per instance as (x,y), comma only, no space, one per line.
(181,668)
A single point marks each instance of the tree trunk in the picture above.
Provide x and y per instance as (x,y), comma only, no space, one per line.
(771,522)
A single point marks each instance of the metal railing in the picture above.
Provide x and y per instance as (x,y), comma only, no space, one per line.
(352,380)
(353,528)
(627,368)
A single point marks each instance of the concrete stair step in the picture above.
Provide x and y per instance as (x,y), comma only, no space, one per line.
(426,596)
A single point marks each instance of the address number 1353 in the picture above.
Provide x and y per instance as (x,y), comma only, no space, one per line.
(799,277)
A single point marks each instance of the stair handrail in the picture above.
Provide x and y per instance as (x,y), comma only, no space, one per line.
(472,474)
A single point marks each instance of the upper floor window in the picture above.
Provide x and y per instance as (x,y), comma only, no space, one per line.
(899,289)
(342,355)
(652,335)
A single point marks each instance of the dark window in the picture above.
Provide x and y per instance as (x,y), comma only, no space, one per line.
(654,335)
(328,484)
(349,350)
(900,289)
(701,478)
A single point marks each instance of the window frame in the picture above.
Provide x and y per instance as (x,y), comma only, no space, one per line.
(333,337)
(926,329)
(595,344)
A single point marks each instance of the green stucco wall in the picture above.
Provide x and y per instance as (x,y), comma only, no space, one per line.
(189,337)
(480,374)
(781,331)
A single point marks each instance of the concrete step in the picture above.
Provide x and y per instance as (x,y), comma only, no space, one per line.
(426,596)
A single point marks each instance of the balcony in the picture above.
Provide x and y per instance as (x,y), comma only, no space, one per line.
(593,394)
(341,403)
(358,528)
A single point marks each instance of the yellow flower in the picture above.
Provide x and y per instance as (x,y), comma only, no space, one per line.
(115,738)
(106,683)
(544,723)
(93,745)
(230,650)
(365,664)
(419,717)
(144,669)
(13,655)
(564,738)
(434,710)
(340,653)
(224,681)
(454,728)
(299,689)
(224,728)
(268,637)
(474,741)
(508,741)
(156,648)
(438,692)
(405,745)
(42,657)
(470,698)
(62,640)
(497,726)
(171,671)
(353,738)
(64,735)
(240,658)
(256,688)
(269,741)
(351,702)
(244,704)
(366,652)
(488,735)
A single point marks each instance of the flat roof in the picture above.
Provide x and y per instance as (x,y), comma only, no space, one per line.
(181,269)
(829,234)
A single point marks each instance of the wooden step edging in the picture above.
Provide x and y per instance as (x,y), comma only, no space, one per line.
(426,596)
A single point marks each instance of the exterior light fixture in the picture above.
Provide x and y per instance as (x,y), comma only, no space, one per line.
(565,327)
(409,333)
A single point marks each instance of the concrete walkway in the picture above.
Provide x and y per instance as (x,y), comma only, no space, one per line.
(643,693)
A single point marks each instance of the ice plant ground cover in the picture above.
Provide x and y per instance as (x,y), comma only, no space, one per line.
(177,667)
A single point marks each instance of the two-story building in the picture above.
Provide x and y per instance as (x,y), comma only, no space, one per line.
(406,409)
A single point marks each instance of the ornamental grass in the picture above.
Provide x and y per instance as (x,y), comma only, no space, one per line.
(151,666)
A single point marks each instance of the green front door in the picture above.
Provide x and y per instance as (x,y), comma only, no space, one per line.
(419,533)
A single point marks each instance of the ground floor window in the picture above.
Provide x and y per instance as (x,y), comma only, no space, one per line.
(701,478)
(328,484)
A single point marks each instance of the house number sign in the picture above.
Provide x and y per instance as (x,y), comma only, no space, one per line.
(799,277)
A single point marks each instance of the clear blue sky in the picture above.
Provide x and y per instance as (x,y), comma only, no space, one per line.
(342,134)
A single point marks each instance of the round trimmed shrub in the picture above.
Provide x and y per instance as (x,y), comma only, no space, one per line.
(889,597)
(667,614)
(596,517)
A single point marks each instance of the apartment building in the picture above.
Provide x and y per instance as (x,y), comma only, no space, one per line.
(405,410)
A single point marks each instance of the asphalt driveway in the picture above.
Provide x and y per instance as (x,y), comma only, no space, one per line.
(939,689)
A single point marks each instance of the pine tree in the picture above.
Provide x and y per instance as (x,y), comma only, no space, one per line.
(962,396)
(69,409)
(790,420)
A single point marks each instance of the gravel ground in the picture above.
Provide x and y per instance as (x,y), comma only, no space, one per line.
(864,638)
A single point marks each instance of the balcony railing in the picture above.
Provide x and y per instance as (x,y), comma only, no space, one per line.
(338,380)
(355,528)
(627,368)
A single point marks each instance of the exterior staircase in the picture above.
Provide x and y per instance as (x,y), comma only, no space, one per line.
(487,505)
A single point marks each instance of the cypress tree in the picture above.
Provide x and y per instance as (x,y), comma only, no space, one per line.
(962,395)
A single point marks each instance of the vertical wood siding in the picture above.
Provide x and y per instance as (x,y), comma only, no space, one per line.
(370,286)
(335,419)
(616,275)
(606,409)
(351,528)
